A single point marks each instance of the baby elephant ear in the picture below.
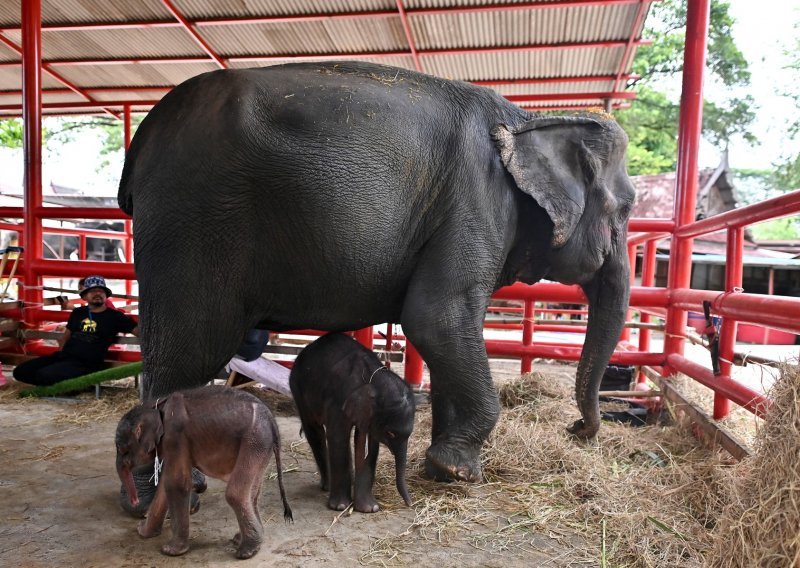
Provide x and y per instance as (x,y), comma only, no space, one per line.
(149,430)
(359,407)
(548,161)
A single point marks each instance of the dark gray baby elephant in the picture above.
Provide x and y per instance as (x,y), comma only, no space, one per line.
(338,384)
(223,432)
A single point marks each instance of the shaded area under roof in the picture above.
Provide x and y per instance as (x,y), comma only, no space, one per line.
(546,54)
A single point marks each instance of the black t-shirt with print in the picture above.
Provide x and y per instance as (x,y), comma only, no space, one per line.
(93,333)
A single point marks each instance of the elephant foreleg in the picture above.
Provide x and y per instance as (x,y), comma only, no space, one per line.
(340,464)
(151,525)
(447,332)
(363,500)
(178,489)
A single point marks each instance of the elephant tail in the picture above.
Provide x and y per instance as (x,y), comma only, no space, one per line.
(287,511)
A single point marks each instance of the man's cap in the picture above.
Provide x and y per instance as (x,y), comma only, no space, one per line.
(94,282)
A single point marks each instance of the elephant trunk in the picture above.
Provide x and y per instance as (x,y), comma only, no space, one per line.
(400,472)
(126,476)
(608,293)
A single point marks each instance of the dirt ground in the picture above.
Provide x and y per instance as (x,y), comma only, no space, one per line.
(59,504)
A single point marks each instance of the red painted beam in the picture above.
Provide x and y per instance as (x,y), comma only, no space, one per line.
(500,348)
(554,292)
(641,12)
(186,25)
(780,312)
(642,225)
(781,206)
(745,397)
(689,128)
(409,36)
(112,270)
(352,15)
(46,67)
(549,80)
(570,96)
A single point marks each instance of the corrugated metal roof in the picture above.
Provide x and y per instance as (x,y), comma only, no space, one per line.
(111,51)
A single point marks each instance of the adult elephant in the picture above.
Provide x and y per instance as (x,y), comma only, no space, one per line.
(341,195)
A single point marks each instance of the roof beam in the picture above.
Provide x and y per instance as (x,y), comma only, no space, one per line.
(641,12)
(487,83)
(46,67)
(409,36)
(519,99)
(556,4)
(185,24)
(341,56)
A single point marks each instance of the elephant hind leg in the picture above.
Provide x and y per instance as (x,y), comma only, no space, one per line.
(315,435)
(241,494)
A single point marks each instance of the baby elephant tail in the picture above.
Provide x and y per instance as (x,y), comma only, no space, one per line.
(287,511)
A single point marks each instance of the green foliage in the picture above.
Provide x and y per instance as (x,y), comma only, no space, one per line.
(11,133)
(651,124)
(787,175)
(110,130)
(785,229)
(652,120)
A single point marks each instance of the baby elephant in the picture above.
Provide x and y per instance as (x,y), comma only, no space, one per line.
(223,432)
(338,384)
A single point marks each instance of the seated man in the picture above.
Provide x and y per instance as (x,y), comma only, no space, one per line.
(91,330)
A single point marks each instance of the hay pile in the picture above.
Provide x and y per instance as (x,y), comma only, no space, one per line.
(761,525)
(634,497)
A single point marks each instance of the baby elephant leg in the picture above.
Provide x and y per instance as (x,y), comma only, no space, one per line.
(244,486)
(178,492)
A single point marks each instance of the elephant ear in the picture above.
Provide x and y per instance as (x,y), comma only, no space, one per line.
(149,430)
(359,407)
(552,164)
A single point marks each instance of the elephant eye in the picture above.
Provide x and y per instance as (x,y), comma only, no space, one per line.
(390,435)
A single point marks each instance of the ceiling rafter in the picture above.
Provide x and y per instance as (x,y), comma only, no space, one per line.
(475,54)
(46,68)
(364,14)
(190,29)
(409,36)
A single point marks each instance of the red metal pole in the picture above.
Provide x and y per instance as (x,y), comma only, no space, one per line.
(413,365)
(128,242)
(626,331)
(364,336)
(727,336)
(689,129)
(747,398)
(32,148)
(648,279)
(527,335)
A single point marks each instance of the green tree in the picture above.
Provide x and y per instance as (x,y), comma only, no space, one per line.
(11,133)
(787,175)
(652,120)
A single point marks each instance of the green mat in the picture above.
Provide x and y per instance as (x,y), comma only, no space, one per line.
(84,381)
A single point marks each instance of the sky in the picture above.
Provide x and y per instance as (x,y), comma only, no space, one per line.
(764,31)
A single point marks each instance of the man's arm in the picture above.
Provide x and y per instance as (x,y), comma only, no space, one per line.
(64,338)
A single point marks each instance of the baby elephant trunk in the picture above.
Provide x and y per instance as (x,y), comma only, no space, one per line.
(126,476)
(400,472)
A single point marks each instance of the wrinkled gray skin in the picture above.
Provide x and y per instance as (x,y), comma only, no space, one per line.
(225,433)
(341,387)
(341,195)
